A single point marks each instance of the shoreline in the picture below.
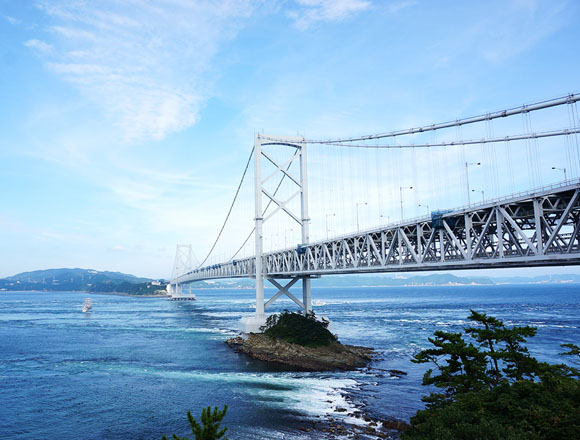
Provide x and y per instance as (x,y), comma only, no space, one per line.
(350,419)
(354,419)
(132,295)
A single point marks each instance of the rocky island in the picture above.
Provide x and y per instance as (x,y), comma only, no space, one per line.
(335,356)
(301,342)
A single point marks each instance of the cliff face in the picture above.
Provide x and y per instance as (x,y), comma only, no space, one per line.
(335,356)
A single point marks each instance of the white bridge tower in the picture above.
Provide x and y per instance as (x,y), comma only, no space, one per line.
(297,149)
(184,262)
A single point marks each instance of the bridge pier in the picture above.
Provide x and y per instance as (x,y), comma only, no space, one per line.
(176,292)
(252,324)
(306,295)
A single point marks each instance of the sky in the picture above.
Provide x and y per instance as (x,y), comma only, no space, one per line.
(126,125)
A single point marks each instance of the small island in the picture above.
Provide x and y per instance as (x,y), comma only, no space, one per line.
(301,342)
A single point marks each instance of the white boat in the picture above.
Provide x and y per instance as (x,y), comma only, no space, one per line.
(317,303)
(88,305)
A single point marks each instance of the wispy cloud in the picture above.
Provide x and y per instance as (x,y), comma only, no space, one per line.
(312,11)
(146,64)
(397,6)
(11,20)
(520,27)
(38,45)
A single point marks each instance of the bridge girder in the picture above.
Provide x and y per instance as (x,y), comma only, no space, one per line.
(540,228)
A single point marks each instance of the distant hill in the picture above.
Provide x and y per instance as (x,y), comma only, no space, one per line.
(439,279)
(233,283)
(399,280)
(443,279)
(84,280)
(89,280)
(541,279)
(38,276)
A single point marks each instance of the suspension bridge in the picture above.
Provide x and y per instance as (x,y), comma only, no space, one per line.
(536,226)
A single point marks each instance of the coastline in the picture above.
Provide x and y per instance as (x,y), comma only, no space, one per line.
(133,295)
(351,418)
(354,419)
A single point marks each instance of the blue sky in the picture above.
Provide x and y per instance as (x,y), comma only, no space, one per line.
(126,124)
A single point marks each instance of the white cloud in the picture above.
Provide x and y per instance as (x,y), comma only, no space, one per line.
(312,11)
(145,63)
(397,6)
(13,21)
(522,25)
(38,45)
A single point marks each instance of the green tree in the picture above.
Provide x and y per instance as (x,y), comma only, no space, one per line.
(512,356)
(209,429)
(297,328)
(461,366)
(493,389)
(574,350)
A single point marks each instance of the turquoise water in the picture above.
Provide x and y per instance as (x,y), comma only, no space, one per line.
(134,366)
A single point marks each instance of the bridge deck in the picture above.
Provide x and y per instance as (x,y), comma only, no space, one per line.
(538,228)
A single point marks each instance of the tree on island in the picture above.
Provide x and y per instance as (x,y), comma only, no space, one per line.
(211,425)
(299,328)
(491,388)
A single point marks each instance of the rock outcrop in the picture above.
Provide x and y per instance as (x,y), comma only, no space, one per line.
(335,356)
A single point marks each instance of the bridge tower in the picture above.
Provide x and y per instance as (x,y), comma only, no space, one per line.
(297,149)
(184,261)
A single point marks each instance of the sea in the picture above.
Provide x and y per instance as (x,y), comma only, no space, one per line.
(133,367)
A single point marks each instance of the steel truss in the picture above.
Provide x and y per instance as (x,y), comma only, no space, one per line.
(540,228)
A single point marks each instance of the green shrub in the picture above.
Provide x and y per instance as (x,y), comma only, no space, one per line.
(296,328)
(524,410)
(211,425)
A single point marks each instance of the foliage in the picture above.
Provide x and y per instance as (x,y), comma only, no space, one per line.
(211,425)
(491,388)
(126,287)
(523,410)
(573,350)
(297,328)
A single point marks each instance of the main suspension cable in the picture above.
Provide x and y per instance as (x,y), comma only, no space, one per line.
(543,134)
(243,244)
(230,211)
(569,99)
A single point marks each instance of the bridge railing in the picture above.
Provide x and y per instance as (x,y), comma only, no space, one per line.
(470,207)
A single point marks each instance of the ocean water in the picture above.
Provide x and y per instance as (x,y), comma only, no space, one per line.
(133,366)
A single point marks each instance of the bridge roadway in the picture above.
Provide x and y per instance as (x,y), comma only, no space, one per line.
(536,228)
